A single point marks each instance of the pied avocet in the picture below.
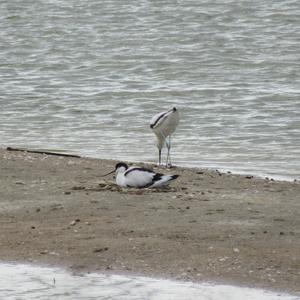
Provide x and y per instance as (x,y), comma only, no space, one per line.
(138,177)
(163,125)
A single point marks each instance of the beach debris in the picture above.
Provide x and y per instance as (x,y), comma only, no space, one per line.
(78,188)
(249,176)
(41,152)
(236,250)
(113,187)
(74,222)
(20,182)
(97,250)
(219,173)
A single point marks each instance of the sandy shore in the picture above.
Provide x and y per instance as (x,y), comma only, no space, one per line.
(207,227)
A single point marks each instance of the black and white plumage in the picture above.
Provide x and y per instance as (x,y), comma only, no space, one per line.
(138,177)
(163,125)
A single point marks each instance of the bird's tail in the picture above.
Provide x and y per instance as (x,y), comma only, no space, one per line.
(164,180)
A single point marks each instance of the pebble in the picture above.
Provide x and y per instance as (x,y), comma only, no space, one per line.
(78,188)
(100,249)
(73,223)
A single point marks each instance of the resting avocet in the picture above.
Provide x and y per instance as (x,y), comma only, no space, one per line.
(163,125)
(138,177)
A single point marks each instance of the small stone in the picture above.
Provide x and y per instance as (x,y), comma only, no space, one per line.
(281,233)
(97,250)
(236,250)
(78,188)
(67,193)
(38,209)
(19,182)
(73,223)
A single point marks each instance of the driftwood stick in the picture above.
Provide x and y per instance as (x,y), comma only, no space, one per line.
(42,152)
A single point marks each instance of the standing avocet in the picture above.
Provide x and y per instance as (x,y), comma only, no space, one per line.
(163,125)
(138,177)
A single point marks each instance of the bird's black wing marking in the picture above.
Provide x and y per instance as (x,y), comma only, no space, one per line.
(155,178)
(158,119)
(138,169)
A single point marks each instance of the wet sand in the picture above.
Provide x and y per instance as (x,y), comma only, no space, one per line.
(207,226)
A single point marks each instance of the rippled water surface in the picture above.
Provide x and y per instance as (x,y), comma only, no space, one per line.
(29,283)
(87,76)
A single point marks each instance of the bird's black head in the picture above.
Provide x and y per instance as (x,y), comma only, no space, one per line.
(174,109)
(120,165)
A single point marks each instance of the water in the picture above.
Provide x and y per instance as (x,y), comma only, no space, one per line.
(87,76)
(29,282)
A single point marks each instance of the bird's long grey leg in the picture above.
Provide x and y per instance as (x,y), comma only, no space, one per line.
(159,157)
(168,162)
(159,154)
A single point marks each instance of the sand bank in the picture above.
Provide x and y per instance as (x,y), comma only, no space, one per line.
(207,226)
